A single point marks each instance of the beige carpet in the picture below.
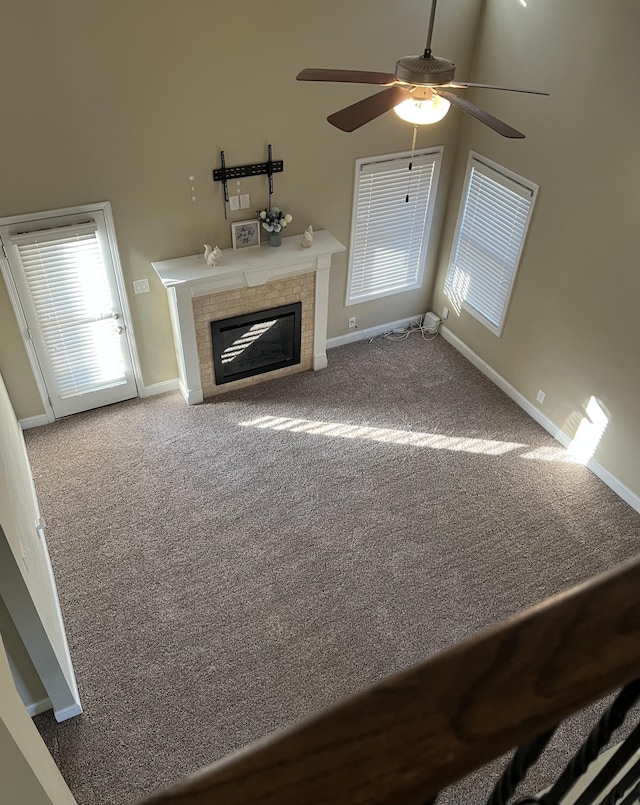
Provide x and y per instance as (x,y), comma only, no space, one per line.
(228,568)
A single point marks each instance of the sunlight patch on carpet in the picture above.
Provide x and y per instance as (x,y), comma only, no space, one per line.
(434,441)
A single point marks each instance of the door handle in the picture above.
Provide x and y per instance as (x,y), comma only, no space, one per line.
(115,315)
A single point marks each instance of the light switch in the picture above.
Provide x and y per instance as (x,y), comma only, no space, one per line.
(141,286)
(244,201)
(234,202)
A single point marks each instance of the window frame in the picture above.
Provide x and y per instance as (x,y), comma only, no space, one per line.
(507,179)
(437,153)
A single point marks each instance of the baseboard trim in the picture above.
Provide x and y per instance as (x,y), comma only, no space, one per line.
(191,396)
(370,332)
(614,484)
(41,706)
(34,421)
(596,468)
(160,388)
(68,712)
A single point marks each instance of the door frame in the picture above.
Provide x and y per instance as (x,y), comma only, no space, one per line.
(105,208)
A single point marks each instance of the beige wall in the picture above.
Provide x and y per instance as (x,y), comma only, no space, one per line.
(122,101)
(25,676)
(28,774)
(573,325)
(22,552)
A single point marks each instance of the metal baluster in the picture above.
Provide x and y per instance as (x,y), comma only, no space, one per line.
(517,768)
(627,781)
(633,797)
(597,740)
(612,768)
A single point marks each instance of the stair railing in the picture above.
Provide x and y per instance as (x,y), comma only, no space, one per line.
(403,740)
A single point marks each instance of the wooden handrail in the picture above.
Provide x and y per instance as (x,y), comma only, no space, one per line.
(404,739)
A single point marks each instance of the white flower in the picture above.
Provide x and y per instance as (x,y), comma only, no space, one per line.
(273,220)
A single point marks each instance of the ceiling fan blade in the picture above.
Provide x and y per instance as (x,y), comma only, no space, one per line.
(481,115)
(356,115)
(348,76)
(464,84)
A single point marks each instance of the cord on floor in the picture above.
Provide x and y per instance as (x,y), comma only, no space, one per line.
(402,333)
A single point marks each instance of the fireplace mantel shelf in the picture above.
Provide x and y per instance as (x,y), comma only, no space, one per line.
(248,267)
(186,278)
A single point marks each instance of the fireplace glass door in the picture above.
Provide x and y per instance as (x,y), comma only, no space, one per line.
(249,345)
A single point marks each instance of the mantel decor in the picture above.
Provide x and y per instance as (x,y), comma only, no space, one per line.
(245,233)
(274,221)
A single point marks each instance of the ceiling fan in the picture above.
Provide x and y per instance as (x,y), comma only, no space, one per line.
(417,91)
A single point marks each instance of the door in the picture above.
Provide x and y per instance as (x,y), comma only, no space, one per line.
(63,274)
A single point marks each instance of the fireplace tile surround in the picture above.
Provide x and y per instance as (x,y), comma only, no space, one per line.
(246,281)
(227,304)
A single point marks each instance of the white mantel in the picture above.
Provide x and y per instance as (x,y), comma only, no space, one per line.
(188,277)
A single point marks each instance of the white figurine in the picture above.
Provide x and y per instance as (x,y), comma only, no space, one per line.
(307,238)
(212,256)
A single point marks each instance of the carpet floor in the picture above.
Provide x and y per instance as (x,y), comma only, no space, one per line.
(227,569)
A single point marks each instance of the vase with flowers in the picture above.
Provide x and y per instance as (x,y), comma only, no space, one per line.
(274,221)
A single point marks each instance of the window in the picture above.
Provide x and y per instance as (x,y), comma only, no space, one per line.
(392,211)
(492,224)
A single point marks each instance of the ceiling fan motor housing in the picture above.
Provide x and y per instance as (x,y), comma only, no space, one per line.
(420,70)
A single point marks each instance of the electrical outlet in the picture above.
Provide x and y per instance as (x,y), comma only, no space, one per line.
(244,201)
(540,396)
(352,322)
(141,286)
(445,313)
(234,203)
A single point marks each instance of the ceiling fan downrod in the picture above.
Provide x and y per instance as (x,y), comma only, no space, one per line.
(432,18)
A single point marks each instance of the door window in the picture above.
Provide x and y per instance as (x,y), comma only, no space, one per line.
(67,289)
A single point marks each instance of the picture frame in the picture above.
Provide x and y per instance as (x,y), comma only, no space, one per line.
(245,234)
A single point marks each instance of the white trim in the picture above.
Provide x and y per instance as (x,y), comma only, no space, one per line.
(70,674)
(34,421)
(437,153)
(53,665)
(508,179)
(68,712)
(160,388)
(16,304)
(623,491)
(41,706)
(105,206)
(596,468)
(191,396)
(371,332)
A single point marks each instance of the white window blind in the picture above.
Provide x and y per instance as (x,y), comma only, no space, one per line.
(492,225)
(72,301)
(392,214)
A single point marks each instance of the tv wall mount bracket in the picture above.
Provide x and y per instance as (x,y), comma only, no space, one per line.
(268,168)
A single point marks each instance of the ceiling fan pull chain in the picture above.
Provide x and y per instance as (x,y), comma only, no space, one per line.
(413,150)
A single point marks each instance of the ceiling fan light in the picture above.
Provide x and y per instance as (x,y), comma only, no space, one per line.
(421,111)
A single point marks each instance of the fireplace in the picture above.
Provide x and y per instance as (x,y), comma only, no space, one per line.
(246,281)
(244,346)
